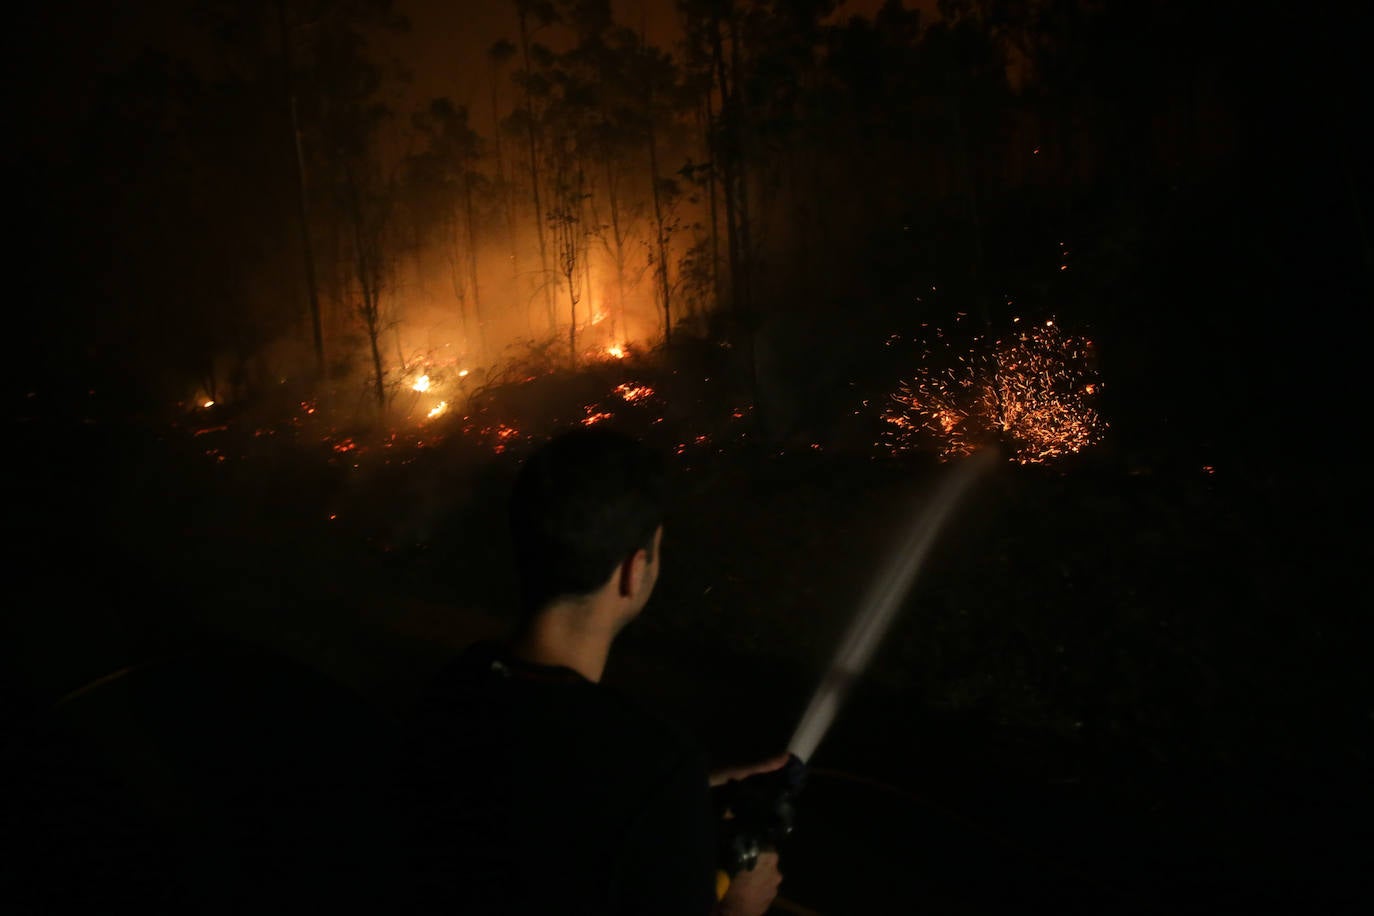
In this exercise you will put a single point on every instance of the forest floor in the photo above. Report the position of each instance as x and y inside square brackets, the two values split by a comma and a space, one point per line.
[1117, 686]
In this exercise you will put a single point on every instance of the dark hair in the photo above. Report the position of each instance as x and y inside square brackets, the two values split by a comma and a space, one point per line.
[581, 503]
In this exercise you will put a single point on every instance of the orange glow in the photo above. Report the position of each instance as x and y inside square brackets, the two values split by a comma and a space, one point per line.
[616, 350]
[208, 404]
[437, 410]
[421, 383]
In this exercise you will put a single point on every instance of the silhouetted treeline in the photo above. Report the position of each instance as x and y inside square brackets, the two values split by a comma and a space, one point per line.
[215, 195]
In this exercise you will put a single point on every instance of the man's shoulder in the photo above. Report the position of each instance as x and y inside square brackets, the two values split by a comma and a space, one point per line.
[486, 678]
[650, 724]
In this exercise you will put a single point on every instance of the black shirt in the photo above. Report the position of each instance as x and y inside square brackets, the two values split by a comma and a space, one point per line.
[535, 790]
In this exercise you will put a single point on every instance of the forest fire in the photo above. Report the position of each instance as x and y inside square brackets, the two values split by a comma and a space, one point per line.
[1033, 389]
[1030, 390]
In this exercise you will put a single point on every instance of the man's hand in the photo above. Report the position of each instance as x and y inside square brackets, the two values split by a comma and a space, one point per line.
[721, 777]
[752, 892]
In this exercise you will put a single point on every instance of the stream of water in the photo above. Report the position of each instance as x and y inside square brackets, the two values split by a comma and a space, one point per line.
[883, 600]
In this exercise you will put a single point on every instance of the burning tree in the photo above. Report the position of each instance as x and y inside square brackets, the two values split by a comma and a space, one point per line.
[1033, 390]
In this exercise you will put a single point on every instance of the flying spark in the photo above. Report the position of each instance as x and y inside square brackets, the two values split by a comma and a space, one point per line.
[1033, 390]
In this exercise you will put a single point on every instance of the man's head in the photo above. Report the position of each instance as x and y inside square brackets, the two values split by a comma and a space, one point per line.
[586, 515]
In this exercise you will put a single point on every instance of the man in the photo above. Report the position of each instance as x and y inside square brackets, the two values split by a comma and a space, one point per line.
[540, 789]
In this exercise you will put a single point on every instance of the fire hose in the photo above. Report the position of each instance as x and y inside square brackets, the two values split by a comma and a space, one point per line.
[756, 814]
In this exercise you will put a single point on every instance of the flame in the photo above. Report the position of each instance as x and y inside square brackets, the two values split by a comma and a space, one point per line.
[208, 404]
[616, 351]
[1031, 390]
[421, 383]
[462, 373]
[437, 409]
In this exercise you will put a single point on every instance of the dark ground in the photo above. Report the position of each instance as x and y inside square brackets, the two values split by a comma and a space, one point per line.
[1121, 686]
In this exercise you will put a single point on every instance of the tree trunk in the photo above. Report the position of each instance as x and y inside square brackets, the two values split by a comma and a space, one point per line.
[661, 241]
[317, 326]
[741, 177]
[725, 153]
[507, 205]
[534, 175]
[472, 263]
[709, 131]
[613, 197]
[366, 262]
[456, 277]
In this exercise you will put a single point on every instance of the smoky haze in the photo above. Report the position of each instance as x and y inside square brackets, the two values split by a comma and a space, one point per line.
[195, 207]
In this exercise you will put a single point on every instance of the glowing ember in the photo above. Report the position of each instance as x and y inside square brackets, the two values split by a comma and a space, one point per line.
[497, 436]
[421, 383]
[616, 351]
[1031, 390]
[632, 392]
[208, 404]
[437, 409]
[594, 418]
